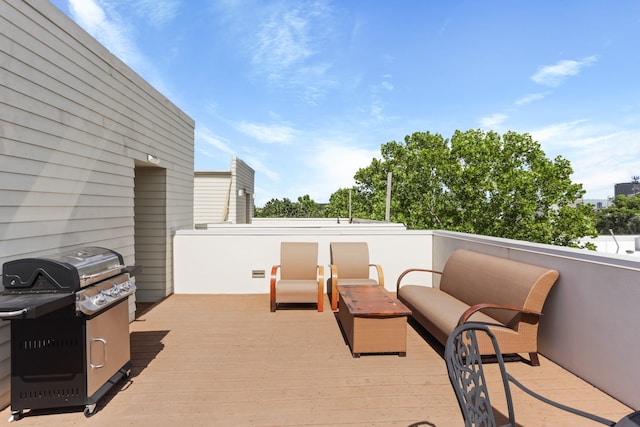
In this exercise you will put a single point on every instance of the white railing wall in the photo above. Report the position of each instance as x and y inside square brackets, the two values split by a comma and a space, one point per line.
[225, 260]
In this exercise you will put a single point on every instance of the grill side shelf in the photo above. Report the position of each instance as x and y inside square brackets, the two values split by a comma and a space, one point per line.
[32, 305]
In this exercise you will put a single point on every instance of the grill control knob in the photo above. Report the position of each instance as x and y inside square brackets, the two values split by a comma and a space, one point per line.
[100, 299]
[114, 291]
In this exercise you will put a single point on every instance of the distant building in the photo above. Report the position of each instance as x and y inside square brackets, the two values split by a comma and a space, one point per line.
[597, 203]
[224, 196]
[627, 188]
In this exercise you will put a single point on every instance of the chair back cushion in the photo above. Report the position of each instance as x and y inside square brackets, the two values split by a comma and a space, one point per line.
[351, 258]
[475, 278]
[298, 260]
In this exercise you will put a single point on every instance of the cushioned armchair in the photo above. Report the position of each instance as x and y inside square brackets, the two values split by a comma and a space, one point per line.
[301, 278]
[350, 266]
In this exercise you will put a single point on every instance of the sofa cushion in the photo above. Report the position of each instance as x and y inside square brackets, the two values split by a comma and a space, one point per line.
[437, 311]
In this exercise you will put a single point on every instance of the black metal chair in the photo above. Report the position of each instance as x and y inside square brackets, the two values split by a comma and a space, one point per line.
[464, 365]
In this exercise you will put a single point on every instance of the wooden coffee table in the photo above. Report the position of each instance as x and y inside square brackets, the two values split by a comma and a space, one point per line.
[373, 320]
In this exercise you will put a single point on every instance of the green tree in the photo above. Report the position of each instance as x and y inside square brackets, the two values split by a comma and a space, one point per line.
[345, 203]
[275, 208]
[305, 207]
[623, 216]
[478, 182]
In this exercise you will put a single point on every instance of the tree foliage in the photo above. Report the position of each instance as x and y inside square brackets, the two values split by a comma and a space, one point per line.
[623, 217]
[305, 207]
[346, 203]
[477, 182]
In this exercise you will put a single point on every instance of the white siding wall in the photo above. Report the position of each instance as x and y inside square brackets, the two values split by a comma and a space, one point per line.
[217, 198]
[244, 180]
[212, 192]
[76, 127]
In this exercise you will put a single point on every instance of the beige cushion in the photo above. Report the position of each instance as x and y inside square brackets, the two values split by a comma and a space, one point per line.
[298, 272]
[441, 310]
[298, 260]
[476, 278]
[297, 291]
[351, 258]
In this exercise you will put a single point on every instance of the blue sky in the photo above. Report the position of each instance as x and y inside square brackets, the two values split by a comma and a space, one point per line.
[306, 92]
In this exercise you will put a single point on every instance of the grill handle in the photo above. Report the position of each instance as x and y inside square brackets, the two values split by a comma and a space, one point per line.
[12, 314]
[102, 273]
[104, 353]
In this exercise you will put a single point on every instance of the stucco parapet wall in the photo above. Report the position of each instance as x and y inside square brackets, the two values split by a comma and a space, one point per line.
[563, 252]
[300, 231]
[311, 222]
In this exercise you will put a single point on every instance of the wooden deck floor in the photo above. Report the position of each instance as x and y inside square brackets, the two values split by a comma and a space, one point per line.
[225, 360]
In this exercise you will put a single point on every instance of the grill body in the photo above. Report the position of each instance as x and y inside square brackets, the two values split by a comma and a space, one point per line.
[69, 329]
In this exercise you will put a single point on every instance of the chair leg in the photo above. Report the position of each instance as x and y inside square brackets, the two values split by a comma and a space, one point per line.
[273, 306]
[534, 359]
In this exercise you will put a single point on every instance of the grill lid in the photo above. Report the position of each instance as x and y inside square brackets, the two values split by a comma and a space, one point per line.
[64, 272]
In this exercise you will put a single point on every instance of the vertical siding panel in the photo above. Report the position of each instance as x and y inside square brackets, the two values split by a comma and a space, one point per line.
[76, 128]
[211, 191]
[151, 233]
[244, 180]
[218, 196]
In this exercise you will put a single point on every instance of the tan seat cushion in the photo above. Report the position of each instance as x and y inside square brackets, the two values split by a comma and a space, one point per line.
[437, 311]
[297, 291]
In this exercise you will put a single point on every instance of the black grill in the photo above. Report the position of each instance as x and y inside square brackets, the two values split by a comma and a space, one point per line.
[47, 363]
[67, 312]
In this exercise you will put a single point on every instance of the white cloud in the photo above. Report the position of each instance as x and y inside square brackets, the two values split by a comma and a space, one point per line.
[335, 163]
[600, 155]
[100, 19]
[557, 134]
[554, 75]
[386, 85]
[493, 121]
[318, 169]
[530, 98]
[284, 42]
[270, 134]
[157, 12]
[107, 29]
[257, 165]
[214, 141]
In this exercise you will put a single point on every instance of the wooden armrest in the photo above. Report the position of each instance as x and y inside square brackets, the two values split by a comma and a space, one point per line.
[334, 271]
[320, 273]
[274, 271]
[379, 272]
[334, 286]
[272, 287]
[410, 270]
[478, 307]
